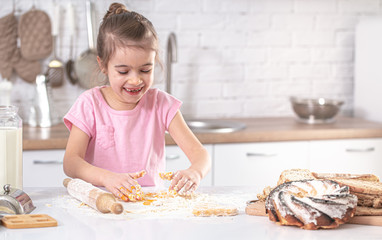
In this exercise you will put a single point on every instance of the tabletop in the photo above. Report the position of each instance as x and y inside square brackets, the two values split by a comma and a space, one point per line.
[74, 223]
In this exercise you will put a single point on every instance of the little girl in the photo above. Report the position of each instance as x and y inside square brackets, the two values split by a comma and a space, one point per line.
[118, 131]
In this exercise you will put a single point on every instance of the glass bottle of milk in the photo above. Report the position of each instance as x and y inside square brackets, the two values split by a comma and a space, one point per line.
[11, 147]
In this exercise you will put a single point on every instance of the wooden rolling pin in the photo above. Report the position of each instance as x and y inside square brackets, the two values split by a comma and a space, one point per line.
[94, 197]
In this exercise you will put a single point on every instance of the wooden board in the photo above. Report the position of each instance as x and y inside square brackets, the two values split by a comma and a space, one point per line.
[257, 208]
[367, 220]
[258, 130]
[28, 221]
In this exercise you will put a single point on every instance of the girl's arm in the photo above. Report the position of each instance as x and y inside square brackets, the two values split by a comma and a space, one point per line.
[189, 179]
[75, 166]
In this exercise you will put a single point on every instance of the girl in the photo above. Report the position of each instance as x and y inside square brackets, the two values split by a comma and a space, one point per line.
[117, 131]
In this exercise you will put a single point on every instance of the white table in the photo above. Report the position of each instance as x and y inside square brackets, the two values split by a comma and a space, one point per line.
[79, 226]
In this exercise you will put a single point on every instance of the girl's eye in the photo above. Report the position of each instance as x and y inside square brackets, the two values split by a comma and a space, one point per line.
[146, 71]
[122, 72]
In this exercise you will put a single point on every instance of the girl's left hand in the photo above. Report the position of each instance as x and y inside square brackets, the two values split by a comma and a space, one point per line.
[185, 181]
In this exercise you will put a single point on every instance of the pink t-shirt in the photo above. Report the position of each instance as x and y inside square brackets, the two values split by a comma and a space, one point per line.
[125, 141]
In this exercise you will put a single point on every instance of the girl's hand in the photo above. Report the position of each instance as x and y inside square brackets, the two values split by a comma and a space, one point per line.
[124, 185]
[185, 181]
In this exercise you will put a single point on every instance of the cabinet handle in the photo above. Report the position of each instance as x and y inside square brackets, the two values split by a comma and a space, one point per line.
[250, 154]
[172, 157]
[51, 162]
[370, 149]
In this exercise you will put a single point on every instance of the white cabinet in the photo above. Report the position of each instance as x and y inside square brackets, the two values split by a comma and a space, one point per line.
[261, 163]
[367, 69]
[177, 160]
[239, 164]
[256, 163]
[43, 168]
[347, 156]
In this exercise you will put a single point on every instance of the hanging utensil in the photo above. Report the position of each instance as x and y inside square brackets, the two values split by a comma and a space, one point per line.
[55, 70]
[5, 92]
[42, 113]
[86, 64]
[70, 63]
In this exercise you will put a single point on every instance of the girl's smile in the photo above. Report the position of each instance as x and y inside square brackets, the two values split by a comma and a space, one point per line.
[134, 91]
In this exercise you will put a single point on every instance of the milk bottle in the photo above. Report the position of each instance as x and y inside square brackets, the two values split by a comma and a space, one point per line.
[11, 169]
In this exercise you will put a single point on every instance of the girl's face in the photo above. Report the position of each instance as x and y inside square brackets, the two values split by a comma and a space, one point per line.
[131, 74]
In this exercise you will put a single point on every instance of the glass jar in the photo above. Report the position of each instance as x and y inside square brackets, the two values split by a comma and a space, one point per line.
[11, 147]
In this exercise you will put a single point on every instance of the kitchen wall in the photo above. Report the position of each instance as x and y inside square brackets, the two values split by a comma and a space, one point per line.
[236, 58]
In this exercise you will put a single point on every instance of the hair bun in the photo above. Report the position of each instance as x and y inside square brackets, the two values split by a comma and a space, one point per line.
[115, 8]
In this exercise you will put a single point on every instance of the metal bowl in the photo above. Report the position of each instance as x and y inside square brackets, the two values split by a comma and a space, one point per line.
[316, 110]
[214, 126]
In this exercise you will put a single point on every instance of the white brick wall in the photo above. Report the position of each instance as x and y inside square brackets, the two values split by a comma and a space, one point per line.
[237, 58]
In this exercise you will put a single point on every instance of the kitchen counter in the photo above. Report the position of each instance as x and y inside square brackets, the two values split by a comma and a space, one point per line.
[74, 224]
[257, 130]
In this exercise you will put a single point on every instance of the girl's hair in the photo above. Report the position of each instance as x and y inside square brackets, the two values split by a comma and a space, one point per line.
[123, 28]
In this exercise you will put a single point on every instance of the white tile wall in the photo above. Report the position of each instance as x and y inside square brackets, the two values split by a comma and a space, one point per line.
[237, 58]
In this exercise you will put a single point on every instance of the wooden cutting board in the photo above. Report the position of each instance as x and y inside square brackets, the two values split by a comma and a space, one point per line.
[257, 208]
[367, 220]
[28, 221]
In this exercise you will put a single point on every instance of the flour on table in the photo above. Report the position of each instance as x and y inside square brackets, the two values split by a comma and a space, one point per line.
[171, 207]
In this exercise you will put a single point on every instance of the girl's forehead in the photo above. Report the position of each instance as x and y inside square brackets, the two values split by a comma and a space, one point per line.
[133, 52]
[134, 49]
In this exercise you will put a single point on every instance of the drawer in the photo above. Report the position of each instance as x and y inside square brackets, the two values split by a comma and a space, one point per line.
[257, 164]
[177, 160]
[43, 168]
[347, 156]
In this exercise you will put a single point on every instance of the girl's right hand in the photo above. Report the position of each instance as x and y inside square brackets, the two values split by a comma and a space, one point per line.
[124, 185]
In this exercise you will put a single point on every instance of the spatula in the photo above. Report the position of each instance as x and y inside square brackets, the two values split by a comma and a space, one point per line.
[55, 70]
[70, 63]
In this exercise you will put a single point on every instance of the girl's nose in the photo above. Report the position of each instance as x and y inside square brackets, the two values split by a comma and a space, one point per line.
[135, 80]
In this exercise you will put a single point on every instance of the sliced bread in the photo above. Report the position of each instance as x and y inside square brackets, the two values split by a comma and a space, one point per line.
[365, 177]
[369, 200]
[295, 175]
[368, 211]
[361, 186]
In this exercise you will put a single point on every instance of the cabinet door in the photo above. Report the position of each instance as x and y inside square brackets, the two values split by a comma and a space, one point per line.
[177, 160]
[347, 156]
[43, 168]
[258, 164]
